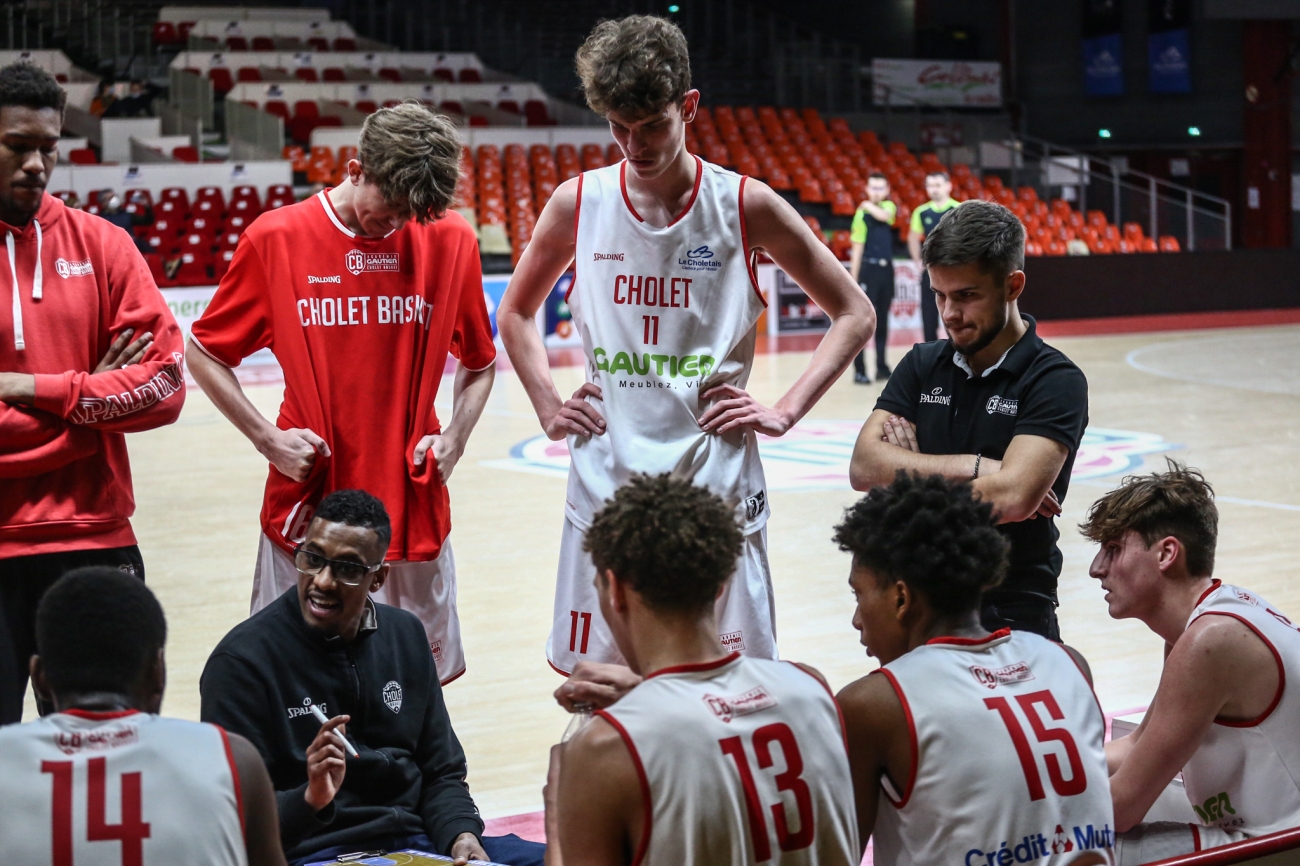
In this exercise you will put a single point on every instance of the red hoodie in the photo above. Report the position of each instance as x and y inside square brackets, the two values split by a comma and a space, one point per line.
[69, 283]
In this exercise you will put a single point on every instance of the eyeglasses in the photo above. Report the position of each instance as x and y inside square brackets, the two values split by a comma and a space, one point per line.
[346, 573]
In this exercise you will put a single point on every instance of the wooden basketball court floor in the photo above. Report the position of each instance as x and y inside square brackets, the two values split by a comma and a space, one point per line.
[1226, 400]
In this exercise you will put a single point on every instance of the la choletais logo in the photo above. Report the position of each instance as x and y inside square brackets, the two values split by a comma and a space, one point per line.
[700, 259]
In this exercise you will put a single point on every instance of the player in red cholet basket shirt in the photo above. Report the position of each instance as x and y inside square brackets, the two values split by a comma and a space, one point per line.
[361, 308]
[88, 352]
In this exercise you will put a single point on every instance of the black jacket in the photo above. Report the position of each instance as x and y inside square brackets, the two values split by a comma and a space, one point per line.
[410, 776]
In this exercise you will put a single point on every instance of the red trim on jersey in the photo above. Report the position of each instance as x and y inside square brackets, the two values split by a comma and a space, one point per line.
[696, 668]
[1281, 671]
[844, 728]
[1196, 837]
[1215, 583]
[646, 803]
[695, 191]
[699, 174]
[744, 241]
[234, 777]
[99, 715]
[452, 678]
[1105, 726]
[577, 209]
[911, 728]
[622, 185]
[969, 641]
[1238, 852]
[557, 670]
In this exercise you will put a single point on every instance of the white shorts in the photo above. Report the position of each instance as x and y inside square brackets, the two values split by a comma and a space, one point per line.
[1159, 840]
[426, 589]
[746, 610]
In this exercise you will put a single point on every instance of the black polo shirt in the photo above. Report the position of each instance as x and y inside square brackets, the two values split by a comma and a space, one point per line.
[1034, 390]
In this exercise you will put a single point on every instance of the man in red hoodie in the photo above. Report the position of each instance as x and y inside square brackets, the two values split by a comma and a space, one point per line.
[88, 352]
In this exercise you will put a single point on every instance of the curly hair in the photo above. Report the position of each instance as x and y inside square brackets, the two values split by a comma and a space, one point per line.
[930, 533]
[635, 65]
[1177, 502]
[357, 508]
[413, 156]
[30, 86]
[98, 629]
[983, 232]
[675, 543]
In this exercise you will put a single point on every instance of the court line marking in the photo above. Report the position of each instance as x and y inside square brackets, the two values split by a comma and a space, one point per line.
[1234, 500]
[1132, 360]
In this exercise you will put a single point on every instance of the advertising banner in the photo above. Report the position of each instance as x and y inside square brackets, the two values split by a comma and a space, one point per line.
[1169, 52]
[936, 82]
[1103, 48]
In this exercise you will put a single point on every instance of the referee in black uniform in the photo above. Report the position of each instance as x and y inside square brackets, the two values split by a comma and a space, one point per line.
[992, 403]
[871, 264]
[938, 186]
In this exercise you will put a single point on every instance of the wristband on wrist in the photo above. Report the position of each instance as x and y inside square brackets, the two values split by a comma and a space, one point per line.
[976, 473]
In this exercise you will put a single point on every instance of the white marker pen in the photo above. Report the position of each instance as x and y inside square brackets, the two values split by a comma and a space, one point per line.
[316, 711]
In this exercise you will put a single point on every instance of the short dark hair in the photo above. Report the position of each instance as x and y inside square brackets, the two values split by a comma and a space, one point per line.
[357, 508]
[98, 629]
[932, 534]
[876, 175]
[982, 232]
[635, 65]
[675, 543]
[413, 156]
[942, 174]
[1177, 502]
[30, 86]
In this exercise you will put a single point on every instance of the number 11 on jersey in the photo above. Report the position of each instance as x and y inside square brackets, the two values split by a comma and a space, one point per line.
[651, 337]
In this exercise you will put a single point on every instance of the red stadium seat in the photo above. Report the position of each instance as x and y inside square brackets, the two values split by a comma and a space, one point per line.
[366, 105]
[183, 29]
[212, 195]
[176, 195]
[247, 197]
[509, 105]
[306, 73]
[236, 43]
[280, 189]
[263, 43]
[390, 74]
[318, 43]
[1169, 244]
[248, 73]
[82, 156]
[452, 107]
[222, 83]
[277, 107]
[186, 153]
[478, 120]
[333, 73]
[470, 75]
[306, 108]
[344, 43]
[164, 33]
[444, 74]
[238, 221]
[536, 113]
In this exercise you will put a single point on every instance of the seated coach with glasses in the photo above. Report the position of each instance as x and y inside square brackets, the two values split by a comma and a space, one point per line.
[340, 695]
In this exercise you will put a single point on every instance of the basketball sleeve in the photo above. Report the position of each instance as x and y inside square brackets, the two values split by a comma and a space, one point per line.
[33, 442]
[902, 392]
[471, 337]
[858, 231]
[1055, 405]
[237, 322]
[916, 227]
[139, 397]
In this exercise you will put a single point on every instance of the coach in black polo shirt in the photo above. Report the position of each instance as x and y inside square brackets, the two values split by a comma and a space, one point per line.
[992, 403]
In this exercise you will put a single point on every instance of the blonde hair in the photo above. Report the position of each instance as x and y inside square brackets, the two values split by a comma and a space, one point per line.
[635, 65]
[413, 156]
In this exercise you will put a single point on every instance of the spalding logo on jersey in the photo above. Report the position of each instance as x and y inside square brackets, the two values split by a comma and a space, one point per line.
[393, 696]
[1016, 673]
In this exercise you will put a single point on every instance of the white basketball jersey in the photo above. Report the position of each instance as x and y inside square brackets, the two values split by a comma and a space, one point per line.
[742, 761]
[118, 789]
[1246, 775]
[664, 314]
[1008, 760]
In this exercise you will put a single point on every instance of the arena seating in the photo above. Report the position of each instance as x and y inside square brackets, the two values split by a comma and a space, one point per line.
[199, 227]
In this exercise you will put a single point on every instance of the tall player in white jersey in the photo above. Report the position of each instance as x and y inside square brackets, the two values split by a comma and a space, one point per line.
[712, 757]
[1227, 712]
[666, 301]
[105, 780]
[986, 747]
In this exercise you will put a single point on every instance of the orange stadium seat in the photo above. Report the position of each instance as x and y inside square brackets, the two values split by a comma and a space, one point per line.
[1169, 244]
